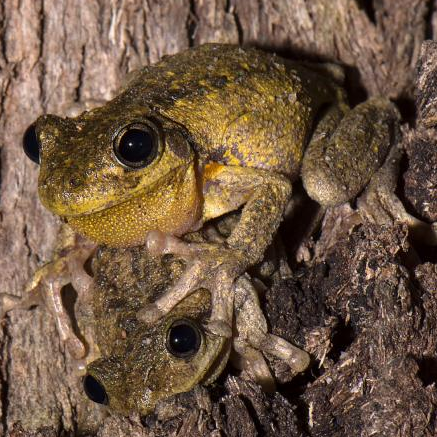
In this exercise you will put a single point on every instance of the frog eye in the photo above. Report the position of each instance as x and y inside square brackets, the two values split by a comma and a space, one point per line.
[136, 145]
[183, 339]
[31, 144]
[94, 390]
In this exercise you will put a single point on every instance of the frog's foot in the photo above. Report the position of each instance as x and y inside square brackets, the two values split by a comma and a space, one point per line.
[252, 341]
[380, 205]
[199, 275]
[209, 266]
[252, 330]
[253, 365]
[46, 286]
[9, 302]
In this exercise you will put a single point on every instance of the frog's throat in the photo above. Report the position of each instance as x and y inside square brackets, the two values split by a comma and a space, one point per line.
[173, 206]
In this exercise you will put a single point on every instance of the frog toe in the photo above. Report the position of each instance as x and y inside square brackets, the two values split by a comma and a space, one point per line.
[75, 347]
[149, 314]
[296, 358]
[8, 302]
[159, 243]
[253, 365]
[221, 328]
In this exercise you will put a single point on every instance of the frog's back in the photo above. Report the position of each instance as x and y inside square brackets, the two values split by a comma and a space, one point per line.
[241, 106]
[125, 280]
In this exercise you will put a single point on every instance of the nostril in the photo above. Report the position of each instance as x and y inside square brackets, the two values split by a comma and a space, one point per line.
[75, 182]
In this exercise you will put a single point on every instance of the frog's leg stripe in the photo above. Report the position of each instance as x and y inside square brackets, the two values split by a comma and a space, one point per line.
[339, 162]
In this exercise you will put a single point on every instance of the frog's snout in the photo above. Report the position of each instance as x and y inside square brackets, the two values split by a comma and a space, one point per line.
[49, 126]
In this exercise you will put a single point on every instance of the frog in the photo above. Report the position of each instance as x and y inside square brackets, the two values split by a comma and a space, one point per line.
[210, 130]
[129, 366]
[140, 365]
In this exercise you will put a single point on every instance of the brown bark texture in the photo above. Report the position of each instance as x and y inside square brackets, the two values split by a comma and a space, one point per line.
[367, 313]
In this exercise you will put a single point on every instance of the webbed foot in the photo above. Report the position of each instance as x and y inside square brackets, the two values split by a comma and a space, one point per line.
[251, 327]
[252, 340]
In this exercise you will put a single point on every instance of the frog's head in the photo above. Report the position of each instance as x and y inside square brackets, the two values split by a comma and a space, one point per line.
[116, 172]
[158, 362]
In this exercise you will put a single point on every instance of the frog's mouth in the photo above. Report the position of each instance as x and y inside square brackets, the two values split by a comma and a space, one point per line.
[172, 206]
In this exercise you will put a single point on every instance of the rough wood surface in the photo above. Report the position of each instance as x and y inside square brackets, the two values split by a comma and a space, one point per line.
[54, 53]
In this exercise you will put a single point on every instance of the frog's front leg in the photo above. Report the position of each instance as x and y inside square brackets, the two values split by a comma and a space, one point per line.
[48, 281]
[215, 266]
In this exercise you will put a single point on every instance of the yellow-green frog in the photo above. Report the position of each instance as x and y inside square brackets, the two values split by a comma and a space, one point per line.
[199, 134]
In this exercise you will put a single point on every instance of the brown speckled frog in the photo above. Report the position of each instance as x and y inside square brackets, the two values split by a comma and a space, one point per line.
[139, 365]
[199, 134]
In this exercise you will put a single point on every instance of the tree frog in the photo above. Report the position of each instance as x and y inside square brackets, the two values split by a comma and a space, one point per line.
[207, 131]
[214, 129]
[140, 365]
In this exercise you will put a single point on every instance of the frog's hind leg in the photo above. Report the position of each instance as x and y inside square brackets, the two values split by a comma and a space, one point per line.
[346, 154]
[380, 204]
[341, 158]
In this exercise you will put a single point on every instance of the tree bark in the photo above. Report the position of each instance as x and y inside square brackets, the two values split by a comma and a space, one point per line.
[55, 53]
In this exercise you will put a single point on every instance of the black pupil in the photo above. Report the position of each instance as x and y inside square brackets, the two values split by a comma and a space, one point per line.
[183, 339]
[94, 390]
[135, 145]
[31, 144]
